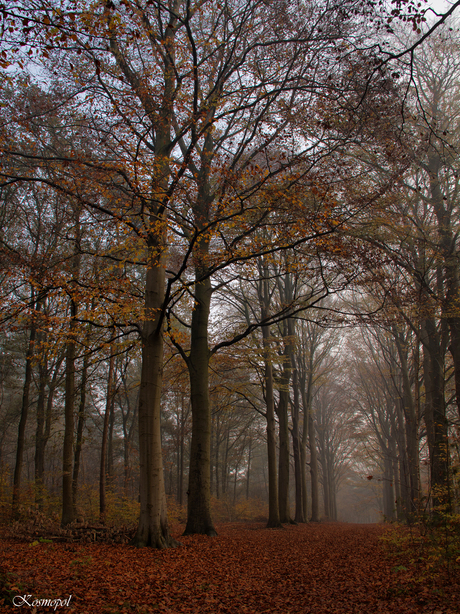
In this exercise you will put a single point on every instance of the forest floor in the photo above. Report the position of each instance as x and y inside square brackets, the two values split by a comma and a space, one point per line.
[327, 568]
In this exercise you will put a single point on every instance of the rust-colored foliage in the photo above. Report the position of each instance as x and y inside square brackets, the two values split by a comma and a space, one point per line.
[306, 569]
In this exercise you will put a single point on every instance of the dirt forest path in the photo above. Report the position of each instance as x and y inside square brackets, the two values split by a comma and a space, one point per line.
[247, 569]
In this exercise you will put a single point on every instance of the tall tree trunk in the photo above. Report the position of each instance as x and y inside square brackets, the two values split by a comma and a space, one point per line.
[153, 521]
[40, 441]
[284, 459]
[217, 459]
[199, 500]
[23, 420]
[153, 524]
[411, 427]
[326, 490]
[128, 435]
[105, 432]
[181, 453]
[68, 513]
[309, 436]
[448, 241]
[435, 414]
[225, 467]
[314, 473]
[110, 450]
[248, 474]
[299, 516]
[68, 510]
[79, 434]
[388, 489]
[264, 303]
[404, 479]
[303, 442]
[235, 482]
[273, 506]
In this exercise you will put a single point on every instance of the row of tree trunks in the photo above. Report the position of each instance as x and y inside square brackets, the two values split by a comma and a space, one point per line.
[411, 426]
[44, 420]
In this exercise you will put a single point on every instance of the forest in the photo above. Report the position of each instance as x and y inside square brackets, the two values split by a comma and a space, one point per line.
[230, 272]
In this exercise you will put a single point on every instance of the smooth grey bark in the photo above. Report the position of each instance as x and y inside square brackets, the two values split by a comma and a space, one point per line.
[199, 501]
[153, 527]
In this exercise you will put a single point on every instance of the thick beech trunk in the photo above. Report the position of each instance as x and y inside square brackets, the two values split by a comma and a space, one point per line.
[448, 241]
[153, 525]
[435, 414]
[439, 452]
[199, 499]
[153, 522]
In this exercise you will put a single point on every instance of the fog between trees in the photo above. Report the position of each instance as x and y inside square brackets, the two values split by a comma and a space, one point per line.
[230, 278]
